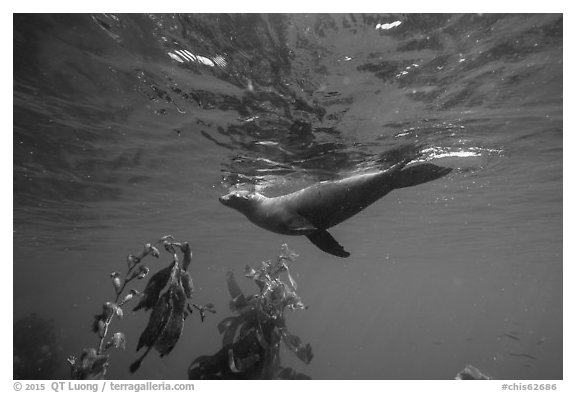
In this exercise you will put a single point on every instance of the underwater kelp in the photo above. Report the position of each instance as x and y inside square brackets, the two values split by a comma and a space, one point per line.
[471, 373]
[37, 348]
[251, 340]
[169, 309]
[167, 293]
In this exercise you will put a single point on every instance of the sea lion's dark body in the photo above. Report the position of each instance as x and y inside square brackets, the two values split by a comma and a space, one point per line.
[314, 209]
[329, 203]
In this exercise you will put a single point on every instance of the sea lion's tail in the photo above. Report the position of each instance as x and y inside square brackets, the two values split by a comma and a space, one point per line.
[401, 154]
[418, 174]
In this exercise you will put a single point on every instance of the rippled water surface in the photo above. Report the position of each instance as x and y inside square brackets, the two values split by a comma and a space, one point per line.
[129, 127]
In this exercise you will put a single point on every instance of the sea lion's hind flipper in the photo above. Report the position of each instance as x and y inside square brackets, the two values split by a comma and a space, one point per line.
[404, 153]
[418, 174]
[324, 241]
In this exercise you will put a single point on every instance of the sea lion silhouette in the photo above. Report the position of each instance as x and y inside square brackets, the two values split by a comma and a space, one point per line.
[312, 210]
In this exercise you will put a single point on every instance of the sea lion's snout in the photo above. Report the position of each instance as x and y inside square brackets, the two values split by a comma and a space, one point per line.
[237, 199]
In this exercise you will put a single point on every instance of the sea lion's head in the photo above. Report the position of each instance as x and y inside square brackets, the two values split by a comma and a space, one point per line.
[239, 200]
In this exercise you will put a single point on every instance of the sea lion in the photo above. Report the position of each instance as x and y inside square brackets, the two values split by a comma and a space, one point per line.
[312, 210]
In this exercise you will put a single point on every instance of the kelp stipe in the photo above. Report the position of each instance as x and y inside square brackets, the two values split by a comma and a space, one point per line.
[168, 310]
[251, 341]
[93, 362]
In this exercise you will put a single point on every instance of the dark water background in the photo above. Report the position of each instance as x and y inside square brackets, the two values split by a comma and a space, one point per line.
[128, 127]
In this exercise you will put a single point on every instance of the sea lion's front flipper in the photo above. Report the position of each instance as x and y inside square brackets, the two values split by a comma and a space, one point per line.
[324, 241]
